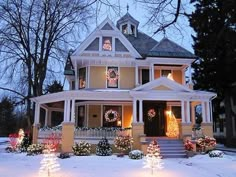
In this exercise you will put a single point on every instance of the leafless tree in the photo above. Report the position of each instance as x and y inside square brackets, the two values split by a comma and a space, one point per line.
[164, 14]
[33, 34]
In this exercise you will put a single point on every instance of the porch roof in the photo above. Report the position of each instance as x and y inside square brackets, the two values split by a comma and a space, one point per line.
[124, 95]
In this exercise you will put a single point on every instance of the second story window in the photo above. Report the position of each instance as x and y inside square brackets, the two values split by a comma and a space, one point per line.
[107, 43]
[82, 78]
[112, 77]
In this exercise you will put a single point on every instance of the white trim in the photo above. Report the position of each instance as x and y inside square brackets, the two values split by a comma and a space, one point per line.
[134, 111]
[101, 117]
[72, 119]
[88, 77]
[141, 111]
[183, 112]
[76, 76]
[203, 112]
[136, 76]
[188, 112]
[163, 81]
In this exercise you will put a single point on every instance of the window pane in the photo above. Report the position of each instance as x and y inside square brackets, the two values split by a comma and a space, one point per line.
[145, 76]
[82, 78]
[176, 110]
[165, 73]
[107, 43]
[125, 29]
[112, 116]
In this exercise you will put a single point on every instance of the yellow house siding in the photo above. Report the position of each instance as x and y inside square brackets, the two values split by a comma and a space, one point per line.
[162, 87]
[177, 76]
[94, 116]
[97, 77]
[127, 77]
[127, 113]
[156, 74]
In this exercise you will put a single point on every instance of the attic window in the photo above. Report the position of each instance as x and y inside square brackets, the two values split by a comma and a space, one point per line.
[165, 73]
[125, 29]
[107, 44]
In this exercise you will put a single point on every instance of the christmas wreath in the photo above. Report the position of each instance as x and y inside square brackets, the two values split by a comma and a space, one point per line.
[112, 74]
[151, 113]
[111, 115]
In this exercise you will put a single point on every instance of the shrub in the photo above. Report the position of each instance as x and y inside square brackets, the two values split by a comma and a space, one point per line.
[188, 145]
[64, 155]
[123, 143]
[81, 149]
[216, 153]
[136, 154]
[103, 148]
[35, 149]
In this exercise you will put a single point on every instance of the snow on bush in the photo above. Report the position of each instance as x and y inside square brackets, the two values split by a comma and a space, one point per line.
[103, 148]
[216, 153]
[136, 154]
[82, 148]
[35, 149]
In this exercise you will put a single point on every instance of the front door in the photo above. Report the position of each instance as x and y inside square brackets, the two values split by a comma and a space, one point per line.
[154, 118]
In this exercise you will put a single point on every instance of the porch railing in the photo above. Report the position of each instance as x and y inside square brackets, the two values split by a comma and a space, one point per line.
[101, 132]
[84, 132]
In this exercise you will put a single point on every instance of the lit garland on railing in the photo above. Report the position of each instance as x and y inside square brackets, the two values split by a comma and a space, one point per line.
[111, 129]
[56, 128]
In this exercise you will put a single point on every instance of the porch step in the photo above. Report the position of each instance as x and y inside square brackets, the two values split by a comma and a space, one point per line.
[169, 147]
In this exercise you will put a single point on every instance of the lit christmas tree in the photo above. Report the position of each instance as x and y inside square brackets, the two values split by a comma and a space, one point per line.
[172, 127]
[49, 163]
[153, 158]
[103, 148]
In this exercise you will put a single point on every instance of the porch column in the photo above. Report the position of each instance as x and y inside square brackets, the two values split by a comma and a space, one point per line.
[190, 74]
[203, 112]
[141, 111]
[182, 112]
[72, 119]
[36, 125]
[134, 111]
[37, 114]
[67, 111]
[211, 118]
[208, 116]
[136, 76]
[150, 72]
[49, 117]
[188, 112]
[76, 76]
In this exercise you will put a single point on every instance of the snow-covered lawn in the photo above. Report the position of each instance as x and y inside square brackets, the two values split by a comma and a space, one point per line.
[20, 165]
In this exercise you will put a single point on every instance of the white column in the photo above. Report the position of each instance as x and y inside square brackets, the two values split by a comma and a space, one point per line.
[208, 116]
[141, 111]
[134, 111]
[182, 112]
[203, 112]
[76, 76]
[46, 118]
[136, 76]
[72, 119]
[152, 72]
[67, 111]
[37, 113]
[190, 74]
[188, 112]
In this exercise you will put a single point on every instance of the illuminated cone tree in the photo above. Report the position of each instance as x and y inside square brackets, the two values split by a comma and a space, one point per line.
[49, 163]
[172, 127]
[153, 158]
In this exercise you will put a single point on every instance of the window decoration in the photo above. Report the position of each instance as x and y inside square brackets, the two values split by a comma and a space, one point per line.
[107, 44]
[111, 115]
[151, 114]
[112, 77]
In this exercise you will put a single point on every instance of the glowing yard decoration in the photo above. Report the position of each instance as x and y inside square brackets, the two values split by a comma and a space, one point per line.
[49, 163]
[172, 126]
[153, 158]
[21, 135]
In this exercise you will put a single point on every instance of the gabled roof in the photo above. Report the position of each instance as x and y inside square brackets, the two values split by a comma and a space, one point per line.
[107, 23]
[127, 17]
[163, 82]
[168, 48]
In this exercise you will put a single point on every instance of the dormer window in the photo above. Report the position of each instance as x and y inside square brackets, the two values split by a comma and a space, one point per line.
[107, 44]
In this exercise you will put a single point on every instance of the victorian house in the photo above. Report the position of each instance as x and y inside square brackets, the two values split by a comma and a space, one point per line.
[122, 80]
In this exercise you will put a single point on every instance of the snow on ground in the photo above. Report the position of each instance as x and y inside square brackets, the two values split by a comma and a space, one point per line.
[20, 165]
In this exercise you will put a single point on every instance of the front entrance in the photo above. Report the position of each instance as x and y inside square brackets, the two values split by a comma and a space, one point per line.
[154, 118]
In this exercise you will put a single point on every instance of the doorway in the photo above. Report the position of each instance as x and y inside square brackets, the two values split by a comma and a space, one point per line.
[154, 118]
